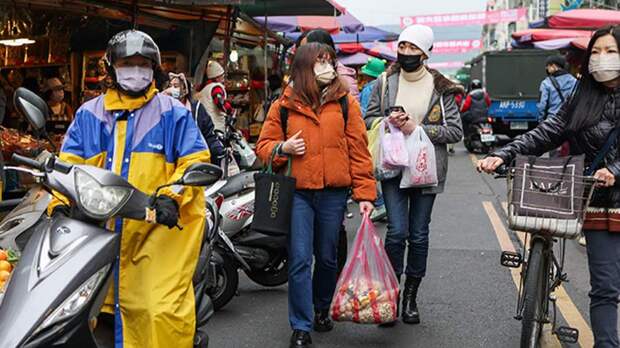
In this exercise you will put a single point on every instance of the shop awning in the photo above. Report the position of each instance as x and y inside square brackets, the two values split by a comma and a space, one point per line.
[289, 24]
[551, 45]
[534, 35]
[291, 8]
[369, 34]
[581, 43]
[359, 58]
[584, 19]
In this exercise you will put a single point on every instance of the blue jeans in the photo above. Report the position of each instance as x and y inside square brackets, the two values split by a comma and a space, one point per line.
[315, 226]
[379, 202]
[604, 263]
[409, 215]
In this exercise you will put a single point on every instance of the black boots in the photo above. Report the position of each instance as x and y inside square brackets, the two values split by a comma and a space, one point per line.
[322, 321]
[301, 339]
[409, 306]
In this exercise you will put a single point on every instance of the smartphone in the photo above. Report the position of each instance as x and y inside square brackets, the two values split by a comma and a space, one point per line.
[397, 108]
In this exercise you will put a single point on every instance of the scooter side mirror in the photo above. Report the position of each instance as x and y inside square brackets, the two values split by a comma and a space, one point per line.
[201, 174]
[32, 107]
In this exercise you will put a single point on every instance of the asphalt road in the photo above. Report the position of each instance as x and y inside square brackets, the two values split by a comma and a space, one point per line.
[467, 299]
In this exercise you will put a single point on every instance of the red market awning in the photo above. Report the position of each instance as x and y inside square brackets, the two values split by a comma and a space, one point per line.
[534, 35]
[584, 19]
[581, 43]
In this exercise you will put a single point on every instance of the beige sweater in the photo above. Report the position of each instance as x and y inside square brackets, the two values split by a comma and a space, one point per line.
[415, 90]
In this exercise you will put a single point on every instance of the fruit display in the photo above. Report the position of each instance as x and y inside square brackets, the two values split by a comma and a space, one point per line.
[365, 303]
[8, 261]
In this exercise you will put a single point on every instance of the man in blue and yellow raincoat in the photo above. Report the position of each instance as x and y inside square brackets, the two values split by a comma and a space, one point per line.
[149, 139]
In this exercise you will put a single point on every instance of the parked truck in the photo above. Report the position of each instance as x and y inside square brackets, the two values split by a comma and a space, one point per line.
[512, 79]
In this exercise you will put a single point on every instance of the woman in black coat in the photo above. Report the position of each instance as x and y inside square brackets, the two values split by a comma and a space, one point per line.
[587, 121]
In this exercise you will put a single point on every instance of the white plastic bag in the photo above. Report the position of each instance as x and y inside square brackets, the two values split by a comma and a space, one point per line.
[393, 148]
[422, 168]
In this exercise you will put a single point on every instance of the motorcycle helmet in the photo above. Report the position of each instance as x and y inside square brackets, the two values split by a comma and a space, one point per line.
[475, 84]
[131, 43]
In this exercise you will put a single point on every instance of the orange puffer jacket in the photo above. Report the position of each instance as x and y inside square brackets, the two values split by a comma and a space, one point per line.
[336, 155]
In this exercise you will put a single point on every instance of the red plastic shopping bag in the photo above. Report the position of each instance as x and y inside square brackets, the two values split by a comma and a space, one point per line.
[367, 291]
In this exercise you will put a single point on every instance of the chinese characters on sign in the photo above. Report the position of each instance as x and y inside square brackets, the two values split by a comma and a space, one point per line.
[470, 18]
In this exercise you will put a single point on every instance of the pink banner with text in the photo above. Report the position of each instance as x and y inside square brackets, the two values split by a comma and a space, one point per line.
[446, 65]
[468, 18]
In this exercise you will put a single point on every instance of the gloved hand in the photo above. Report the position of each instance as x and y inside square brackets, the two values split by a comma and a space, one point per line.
[166, 210]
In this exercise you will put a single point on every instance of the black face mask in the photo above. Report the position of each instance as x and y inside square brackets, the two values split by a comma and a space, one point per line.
[410, 63]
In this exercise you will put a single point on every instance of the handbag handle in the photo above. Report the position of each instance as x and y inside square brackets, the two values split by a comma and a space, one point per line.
[554, 187]
[274, 152]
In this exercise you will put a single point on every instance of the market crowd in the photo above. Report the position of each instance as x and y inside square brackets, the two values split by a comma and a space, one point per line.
[328, 137]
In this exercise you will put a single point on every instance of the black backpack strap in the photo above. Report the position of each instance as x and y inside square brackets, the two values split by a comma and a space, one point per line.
[556, 85]
[284, 120]
[344, 107]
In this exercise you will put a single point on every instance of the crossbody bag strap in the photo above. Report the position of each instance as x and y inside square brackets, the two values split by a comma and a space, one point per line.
[600, 156]
[556, 85]
[383, 89]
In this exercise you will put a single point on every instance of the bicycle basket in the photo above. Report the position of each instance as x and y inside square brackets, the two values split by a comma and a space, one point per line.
[548, 195]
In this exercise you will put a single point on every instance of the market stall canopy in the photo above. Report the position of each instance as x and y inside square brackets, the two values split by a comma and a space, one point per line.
[290, 24]
[534, 35]
[581, 43]
[291, 7]
[369, 34]
[584, 19]
[358, 58]
[378, 49]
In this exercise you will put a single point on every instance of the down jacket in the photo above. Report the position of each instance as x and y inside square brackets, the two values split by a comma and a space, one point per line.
[588, 141]
[336, 154]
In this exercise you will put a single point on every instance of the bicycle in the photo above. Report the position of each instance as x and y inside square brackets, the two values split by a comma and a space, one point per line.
[542, 271]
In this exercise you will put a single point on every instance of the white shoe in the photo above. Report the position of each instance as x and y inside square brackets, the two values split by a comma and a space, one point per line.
[378, 214]
[582, 241]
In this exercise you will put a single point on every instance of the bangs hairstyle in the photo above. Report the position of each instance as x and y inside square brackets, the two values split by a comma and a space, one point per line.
[586, 107]
[302, 74]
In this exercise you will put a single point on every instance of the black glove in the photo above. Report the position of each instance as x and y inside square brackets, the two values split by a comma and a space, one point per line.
[167, 211]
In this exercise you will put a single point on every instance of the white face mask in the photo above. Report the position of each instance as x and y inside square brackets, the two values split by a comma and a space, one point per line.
[175, 92]
[605, 67]
[134, 78]
[324, 73]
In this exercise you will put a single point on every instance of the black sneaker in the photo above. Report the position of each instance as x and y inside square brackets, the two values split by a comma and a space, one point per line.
[301, 339]
[322, 321]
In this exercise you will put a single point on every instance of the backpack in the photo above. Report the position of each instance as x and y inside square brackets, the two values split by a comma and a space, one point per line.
[344, 107]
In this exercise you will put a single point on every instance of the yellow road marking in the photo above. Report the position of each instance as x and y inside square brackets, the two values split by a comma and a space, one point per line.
[567, 307]
[548, 339]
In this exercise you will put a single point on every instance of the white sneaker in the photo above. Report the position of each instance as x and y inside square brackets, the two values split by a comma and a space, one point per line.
[378, 214]
[582, 241]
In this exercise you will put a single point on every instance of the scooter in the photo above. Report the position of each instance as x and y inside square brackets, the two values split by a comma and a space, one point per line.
[479, 138]
[55, 292]
[262, 257]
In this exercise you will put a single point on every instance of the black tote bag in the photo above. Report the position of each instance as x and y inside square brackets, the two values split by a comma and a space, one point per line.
[274, 200]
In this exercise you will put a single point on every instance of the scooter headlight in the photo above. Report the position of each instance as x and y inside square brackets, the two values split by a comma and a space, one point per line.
[97, 200]
[76, 301]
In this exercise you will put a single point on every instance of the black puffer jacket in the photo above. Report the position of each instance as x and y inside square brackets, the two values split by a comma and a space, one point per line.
[552, 133]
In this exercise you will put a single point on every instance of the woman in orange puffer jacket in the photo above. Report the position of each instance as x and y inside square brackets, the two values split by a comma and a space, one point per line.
[329, 156]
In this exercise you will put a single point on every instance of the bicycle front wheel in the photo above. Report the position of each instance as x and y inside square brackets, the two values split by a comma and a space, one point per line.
[533, 293]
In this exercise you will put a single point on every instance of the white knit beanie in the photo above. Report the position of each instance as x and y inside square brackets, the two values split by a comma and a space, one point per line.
[420, 35]
[214, 69]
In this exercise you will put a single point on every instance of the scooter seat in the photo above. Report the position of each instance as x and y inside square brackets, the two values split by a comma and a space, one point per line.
[238, 183]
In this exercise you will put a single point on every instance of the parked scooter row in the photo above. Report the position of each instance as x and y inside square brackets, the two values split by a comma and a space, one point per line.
[262, 257]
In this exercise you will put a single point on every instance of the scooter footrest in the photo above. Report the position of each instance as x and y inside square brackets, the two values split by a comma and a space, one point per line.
[567, 334]
[511, 259]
